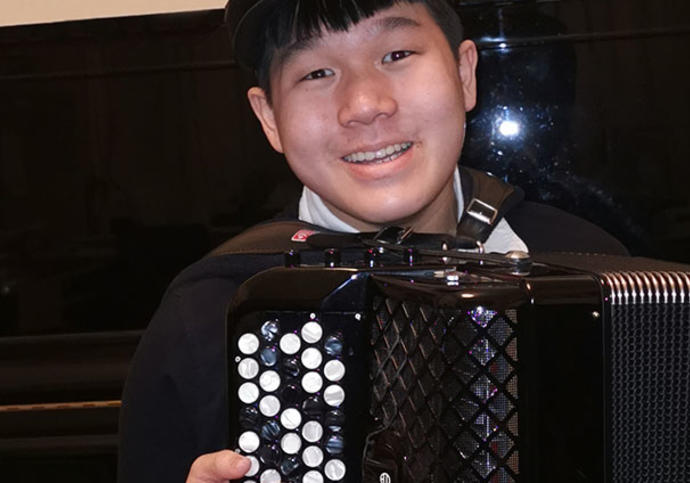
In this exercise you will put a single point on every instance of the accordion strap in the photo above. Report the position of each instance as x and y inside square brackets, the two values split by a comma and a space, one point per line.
[486, 199]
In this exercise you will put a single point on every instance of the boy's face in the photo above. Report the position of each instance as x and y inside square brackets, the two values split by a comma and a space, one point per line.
[372, 119]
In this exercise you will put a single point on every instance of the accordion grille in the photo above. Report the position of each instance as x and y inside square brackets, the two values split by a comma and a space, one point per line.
[650, 383]
[445, 382]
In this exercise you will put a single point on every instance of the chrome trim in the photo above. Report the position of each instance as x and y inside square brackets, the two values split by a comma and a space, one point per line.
[612, 282]
[685, 292]
[644, 287]
[672, 285]
[647, 288]
[478, 215]
[631, 282]
[640, 284]
[664, 286]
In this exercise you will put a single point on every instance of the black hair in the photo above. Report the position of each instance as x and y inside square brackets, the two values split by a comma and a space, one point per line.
[299, 20]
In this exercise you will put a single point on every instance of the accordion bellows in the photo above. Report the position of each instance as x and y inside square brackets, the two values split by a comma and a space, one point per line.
[576, 368]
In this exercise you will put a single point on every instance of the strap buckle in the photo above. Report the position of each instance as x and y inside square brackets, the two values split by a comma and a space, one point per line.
[481, 211]
[393, 234]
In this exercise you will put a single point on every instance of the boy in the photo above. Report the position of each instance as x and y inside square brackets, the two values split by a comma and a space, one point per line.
[367, 100]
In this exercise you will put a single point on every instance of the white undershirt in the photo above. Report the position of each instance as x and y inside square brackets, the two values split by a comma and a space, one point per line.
[313, 210]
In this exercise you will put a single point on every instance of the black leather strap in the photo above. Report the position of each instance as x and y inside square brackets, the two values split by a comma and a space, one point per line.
[487, 199]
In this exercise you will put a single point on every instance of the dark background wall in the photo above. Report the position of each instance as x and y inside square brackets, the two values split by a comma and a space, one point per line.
[127, 149]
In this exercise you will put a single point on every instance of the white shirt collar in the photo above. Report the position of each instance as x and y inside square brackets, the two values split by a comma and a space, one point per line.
[313, 210]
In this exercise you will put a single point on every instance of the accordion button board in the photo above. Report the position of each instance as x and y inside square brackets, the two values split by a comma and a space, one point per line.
[291, 401]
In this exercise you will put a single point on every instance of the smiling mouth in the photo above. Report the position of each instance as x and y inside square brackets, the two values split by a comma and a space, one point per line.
[383, 155]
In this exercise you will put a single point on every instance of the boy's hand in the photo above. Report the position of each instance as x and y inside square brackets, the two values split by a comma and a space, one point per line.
[218, 467]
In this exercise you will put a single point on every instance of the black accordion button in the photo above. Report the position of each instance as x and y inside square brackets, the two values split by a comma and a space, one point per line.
[291, 367]
[290, 466]
[333, 345]
[270, 330]
[249, 418]
[270, 431]
[313, 407]
[292, 395]
[269, 455]
[335, 444]
[334, 420]
[269, 356]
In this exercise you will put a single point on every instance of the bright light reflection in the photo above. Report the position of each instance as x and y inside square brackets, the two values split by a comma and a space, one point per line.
[509, 128]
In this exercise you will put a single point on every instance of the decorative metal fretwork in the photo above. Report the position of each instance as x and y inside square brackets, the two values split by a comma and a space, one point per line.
[445, 381]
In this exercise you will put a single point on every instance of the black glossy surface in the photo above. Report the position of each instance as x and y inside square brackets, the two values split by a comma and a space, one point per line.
[562, 392]
[583, 104]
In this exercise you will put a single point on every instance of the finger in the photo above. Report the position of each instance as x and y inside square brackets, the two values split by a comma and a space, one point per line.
[218, 467]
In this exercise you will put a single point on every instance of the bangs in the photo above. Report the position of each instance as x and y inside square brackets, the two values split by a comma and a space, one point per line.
[301, 20]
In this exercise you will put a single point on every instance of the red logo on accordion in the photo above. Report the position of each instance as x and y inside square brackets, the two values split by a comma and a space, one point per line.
[302, 235]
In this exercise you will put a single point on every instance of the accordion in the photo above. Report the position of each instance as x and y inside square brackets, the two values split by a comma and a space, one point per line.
[562, 367]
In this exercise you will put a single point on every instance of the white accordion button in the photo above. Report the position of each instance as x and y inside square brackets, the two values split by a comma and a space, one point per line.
[334, 395]
[291, 418]
[248, 392]
[248, 344]
[269, 406]
[269, 381]
[291, 443]
[253, 467]
[249, 441]
[312, 431]
[312, 382]
[248, 368]
[334, 370]
[312, 476]
[312, 456]
[335, 470]
[311, 358]
[312, 332]
[290, 344]
[270, 476]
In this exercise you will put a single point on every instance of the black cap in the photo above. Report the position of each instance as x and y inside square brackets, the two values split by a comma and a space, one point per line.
[245, 20]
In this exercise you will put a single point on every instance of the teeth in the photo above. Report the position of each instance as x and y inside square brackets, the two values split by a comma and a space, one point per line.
[384, 154]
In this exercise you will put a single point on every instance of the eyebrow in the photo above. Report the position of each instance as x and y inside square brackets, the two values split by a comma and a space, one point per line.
[385, 24]
[394, 23]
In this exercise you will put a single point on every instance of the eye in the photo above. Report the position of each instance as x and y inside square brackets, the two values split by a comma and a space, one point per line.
[318, 74]
[396, 55]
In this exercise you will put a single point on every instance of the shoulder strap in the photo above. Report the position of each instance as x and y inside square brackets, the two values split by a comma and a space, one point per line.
[486, 199]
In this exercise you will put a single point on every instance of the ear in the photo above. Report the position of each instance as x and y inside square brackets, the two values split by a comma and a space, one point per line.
[467, 66]
[264, 112]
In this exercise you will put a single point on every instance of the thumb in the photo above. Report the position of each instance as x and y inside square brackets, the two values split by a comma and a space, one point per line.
[218, 467]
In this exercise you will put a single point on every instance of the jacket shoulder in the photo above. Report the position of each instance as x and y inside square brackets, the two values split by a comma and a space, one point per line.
[545, 228]
[271, 237]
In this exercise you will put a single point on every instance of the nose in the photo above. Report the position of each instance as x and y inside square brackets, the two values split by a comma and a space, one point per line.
[364, 98]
